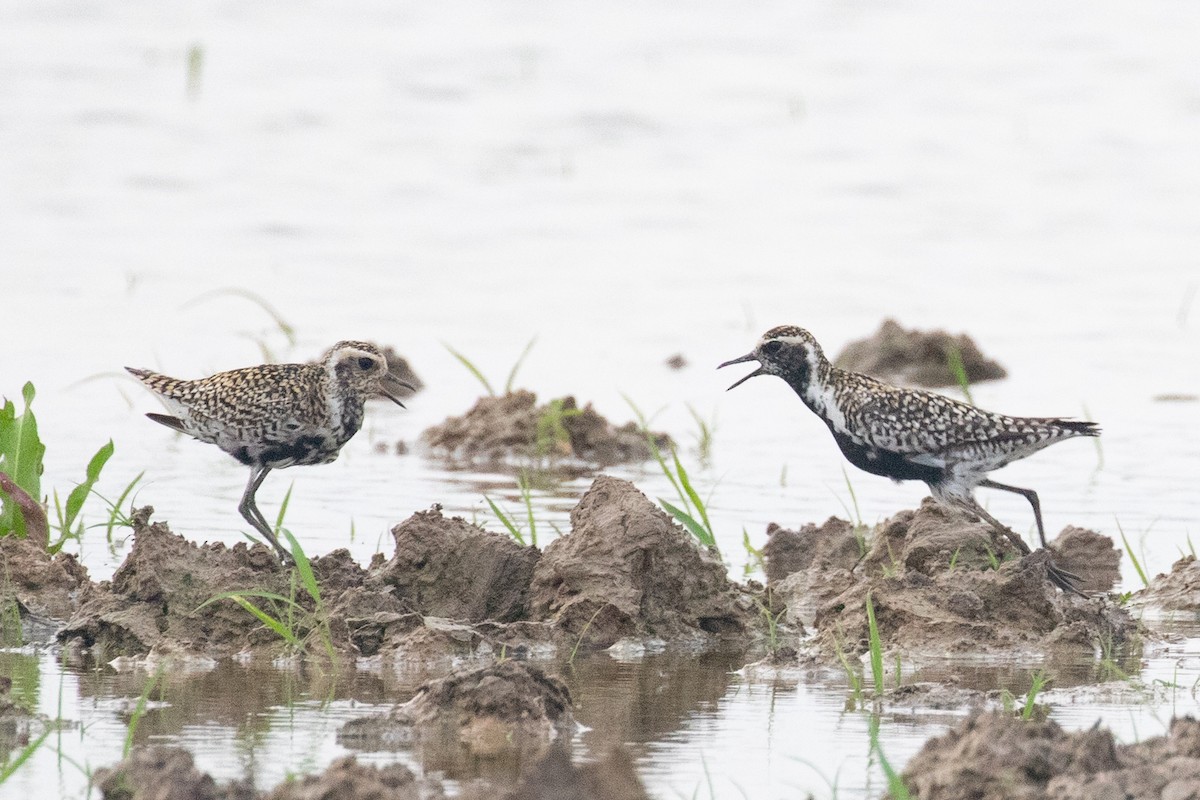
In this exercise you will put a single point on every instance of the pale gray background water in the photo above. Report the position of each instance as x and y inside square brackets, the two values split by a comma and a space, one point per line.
[625, 181]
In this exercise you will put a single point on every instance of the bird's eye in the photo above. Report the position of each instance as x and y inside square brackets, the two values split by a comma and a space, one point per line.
[771, 348]
[365, 363]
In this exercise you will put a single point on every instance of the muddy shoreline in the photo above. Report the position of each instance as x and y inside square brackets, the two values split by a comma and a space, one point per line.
[491, 622]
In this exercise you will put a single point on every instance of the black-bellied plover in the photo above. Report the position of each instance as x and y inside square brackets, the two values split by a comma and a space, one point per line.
[909, 434]
[276, 415]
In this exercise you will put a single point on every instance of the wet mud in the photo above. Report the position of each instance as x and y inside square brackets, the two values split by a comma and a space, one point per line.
[42, 589]
[170, 773]
[487, 622]
[917, 358]
[1177, 590]
[997, 755]
[492, 721]
[989, 602]
[627, 570]
[451, 592]
[513, 425]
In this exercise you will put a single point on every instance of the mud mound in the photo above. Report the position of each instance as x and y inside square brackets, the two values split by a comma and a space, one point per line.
[513, 425]
[164, 773]
[626, 569]
[1177, 590]
[997, 755]
[916, 358]
[346, 779]
[1089, 555]
[399, 367]
[44, 588]
[924, 607]
[554, 777]
[509, 711]
[450, 568]
[833, 545]
[154, 595]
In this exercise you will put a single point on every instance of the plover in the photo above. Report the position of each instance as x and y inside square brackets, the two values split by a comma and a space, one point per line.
[909, 434]
[276, 415]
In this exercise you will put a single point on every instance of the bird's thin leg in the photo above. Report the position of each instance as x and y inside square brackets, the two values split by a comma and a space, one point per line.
[250, 512]
[971, 506]
[1067, 581]
[1028, 494]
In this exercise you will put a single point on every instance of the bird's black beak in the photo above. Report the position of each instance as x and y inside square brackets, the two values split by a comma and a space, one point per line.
[390, 394]
[748, 357]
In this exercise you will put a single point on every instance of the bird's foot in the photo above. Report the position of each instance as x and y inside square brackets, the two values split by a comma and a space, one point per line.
[1064, 579]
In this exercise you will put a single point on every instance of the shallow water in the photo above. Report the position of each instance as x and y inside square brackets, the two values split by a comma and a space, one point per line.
[625, 184]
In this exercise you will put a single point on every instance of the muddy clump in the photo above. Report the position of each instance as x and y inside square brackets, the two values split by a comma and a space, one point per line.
[400, 369]
[160, 601]
[451, 568]
[45, 589]
[169, 773]
[943, 584]
[346, 779]
[154, 596]
[513, 425]
[164, 773]
[998, 755]
[917, 358]
[836, 544]
[507, 714]
[1177, 590]
[1090, 555]
[628, 570]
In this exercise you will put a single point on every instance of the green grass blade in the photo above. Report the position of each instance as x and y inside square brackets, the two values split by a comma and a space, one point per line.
[284, 327]
[512, 374]
[1040, 679]
[690, 523]
[474, 370]
[876, 647]
[283, 507]
[21, 454]
[954, 361]
[644, 425]
[115, 517]
[504, 519]
[80, 493]
[275, 625]
[527, 496]
[308, 578]
[1137, 565]
[853, 499]
[693, 496]
[12, 766]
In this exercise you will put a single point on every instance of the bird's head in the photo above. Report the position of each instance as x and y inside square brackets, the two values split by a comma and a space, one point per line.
[787, 351]
[362, 367]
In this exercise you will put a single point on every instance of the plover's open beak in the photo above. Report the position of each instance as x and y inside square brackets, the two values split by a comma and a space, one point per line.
[390, 395]
[742, 360]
